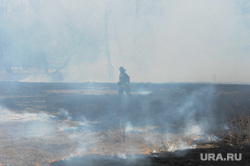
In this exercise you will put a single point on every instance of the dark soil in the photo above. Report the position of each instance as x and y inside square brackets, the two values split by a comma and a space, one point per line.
[178, 158]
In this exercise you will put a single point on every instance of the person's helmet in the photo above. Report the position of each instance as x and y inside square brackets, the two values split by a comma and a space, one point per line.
[122, 69]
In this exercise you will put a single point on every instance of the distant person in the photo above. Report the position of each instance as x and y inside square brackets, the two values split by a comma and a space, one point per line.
[124, 82]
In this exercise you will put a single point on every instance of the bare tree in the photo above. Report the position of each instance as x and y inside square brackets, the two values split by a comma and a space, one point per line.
[57, 58]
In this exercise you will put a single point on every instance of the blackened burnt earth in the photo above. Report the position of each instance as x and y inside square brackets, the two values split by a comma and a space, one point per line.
[192, 157]
[178, 158]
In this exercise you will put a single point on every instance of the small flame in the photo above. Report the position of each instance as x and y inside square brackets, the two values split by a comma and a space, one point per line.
[167, 143]
[192, 140]
[54, 161]
[146, 150]
[76, 154]
[179, 145]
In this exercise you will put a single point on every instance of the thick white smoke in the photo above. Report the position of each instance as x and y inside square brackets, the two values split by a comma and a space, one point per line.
[156, 41]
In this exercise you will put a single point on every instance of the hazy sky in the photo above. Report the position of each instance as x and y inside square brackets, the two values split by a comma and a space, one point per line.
[155, 40]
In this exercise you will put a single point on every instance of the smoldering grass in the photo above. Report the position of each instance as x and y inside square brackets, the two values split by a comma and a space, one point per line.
[119, 130]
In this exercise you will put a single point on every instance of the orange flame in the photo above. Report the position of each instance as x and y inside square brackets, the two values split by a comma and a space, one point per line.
[78, 153]
[167, 143]
[156, 149]
[146, 150]
[54, 161]
[192, 139]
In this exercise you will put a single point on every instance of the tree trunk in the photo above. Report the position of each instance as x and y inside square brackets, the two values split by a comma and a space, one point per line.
[110, 66]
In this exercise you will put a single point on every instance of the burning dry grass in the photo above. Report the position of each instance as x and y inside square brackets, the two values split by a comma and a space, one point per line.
[65, 144]
[71, 139]
[68, 138]
[170, 143]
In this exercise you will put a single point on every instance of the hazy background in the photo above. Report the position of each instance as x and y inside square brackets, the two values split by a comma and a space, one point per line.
[155, 40]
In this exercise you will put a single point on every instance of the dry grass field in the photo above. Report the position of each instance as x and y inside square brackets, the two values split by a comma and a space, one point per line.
[89, 124]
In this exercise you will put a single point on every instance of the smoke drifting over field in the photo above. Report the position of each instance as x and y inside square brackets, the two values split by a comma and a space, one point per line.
[63, 121]
[157, 41]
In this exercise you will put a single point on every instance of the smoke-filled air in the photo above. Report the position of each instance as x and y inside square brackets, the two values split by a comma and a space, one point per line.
[124, 82]
[157, 41]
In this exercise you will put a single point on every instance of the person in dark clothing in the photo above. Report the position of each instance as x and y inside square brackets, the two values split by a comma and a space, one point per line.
[124, 82]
